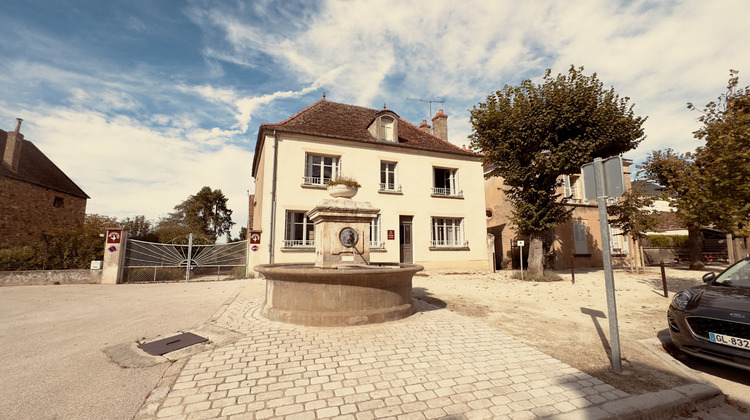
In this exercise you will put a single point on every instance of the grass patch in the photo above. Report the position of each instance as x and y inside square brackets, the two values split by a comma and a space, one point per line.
[548, 276]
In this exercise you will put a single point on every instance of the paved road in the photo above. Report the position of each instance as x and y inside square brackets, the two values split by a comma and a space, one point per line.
[53, 365]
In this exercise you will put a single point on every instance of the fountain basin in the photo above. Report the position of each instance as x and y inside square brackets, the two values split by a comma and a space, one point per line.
[347, 295]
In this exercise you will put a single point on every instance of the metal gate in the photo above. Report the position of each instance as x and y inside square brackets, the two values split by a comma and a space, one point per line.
[183, 259]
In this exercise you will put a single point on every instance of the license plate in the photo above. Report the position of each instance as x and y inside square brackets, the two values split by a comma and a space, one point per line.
[728, 340]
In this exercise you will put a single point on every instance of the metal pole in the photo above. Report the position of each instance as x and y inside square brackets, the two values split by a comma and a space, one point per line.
[520, 248]
[663, 279]
[573, 269]
[189, 257]
[609, 279]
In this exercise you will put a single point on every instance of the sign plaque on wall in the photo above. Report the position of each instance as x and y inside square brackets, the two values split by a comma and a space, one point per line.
[391, 234]
[113, 236]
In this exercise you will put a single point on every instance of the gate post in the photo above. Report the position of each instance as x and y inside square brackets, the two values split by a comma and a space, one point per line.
[114, 255]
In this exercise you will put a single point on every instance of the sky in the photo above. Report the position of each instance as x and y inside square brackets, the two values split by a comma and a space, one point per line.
[144, 102]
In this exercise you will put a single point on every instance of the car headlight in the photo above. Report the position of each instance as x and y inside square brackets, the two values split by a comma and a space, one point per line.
[681, 299]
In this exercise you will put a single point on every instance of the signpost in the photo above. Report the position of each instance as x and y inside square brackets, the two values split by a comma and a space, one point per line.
[520, 247]
[602, 179]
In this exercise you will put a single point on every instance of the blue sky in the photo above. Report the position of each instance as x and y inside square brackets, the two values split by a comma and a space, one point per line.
[142, 103]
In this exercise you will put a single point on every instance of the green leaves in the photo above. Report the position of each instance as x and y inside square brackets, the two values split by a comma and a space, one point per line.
[534, 133]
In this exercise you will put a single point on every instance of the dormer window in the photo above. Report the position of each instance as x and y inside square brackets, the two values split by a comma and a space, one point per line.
[385, 126]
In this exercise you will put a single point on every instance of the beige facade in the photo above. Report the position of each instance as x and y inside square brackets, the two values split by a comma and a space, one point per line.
[438, 224]
[577, 242]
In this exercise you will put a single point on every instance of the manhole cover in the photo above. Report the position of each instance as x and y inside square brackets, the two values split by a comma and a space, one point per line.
[165, 345]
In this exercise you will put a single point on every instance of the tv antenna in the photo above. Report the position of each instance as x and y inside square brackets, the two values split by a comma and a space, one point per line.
[430, 101]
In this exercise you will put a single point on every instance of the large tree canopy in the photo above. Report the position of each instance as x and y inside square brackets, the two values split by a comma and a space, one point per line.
[532, 134]
[205, 212]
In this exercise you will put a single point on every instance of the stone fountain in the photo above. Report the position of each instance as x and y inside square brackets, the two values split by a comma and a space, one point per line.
[342, 288]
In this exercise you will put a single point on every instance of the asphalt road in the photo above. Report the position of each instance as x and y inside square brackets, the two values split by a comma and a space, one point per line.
[51, 341]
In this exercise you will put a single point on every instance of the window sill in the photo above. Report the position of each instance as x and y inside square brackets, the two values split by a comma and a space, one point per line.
[378, 250]
[455, 197]
[315, 186]
[449, 248]
[298, 249]
[391, 192]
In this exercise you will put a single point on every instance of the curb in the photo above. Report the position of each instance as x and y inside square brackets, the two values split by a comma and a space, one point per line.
[654, 405]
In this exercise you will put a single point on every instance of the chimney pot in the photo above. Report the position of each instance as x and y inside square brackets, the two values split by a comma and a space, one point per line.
[18, 124]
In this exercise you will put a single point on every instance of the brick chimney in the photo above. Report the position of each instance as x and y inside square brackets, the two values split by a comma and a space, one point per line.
[440, 125]
[13, 143]
[424, 126]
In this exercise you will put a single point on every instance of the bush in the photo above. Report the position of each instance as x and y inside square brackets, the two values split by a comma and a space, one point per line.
[18, 258]
[546, 277]
[668, 241]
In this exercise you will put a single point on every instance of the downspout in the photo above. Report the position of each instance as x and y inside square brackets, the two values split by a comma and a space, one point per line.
[272, 239]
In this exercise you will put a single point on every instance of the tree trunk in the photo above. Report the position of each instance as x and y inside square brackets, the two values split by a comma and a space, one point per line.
[696, 248]
[536, 254]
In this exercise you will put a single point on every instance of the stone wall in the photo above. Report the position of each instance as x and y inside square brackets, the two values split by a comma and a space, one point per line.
[26, 210]
[45, 277]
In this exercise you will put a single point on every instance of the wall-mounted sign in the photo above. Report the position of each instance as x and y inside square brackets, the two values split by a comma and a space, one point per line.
[254, 248]
[113, 236]
[255, 238]
[112, 248]
[391, 234]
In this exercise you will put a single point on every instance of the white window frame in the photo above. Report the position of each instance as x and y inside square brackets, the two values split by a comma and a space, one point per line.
[448, 232]
[376, 239]
[387, 128]
[389, 169]
[448, 179]
[290, 231]
[573, 188]
[313, 160]
[579, 237]
[618, 240]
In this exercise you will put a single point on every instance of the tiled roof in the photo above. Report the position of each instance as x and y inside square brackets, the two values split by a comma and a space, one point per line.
[350, 122]
[36, 168]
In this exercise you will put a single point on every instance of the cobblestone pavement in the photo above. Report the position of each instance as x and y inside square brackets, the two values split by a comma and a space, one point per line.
[433, 364]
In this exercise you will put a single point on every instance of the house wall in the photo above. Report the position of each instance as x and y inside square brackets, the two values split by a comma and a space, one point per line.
[362, 162]
[26, 210]
[562, 252]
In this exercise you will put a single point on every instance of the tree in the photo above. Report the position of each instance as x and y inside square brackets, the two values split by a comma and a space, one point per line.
[726, 130]
[74, 247]
[632, 216]
[205, 212]
[139, 228]
[684, 177]
[532, 134]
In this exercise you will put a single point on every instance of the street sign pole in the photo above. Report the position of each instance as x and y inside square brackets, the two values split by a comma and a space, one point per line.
[609, 279]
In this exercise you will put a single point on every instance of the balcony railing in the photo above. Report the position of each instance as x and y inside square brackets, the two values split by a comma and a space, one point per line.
[449, 244]
[448, 192]
[315, 180]
[377, 245]
[390, 187]
[299, 243]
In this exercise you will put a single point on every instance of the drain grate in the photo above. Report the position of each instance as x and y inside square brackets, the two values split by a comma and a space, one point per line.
[165, 345]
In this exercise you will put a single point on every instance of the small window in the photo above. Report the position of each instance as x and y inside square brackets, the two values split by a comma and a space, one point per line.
[573, 185]
[445, 182]
[386, 127]
[375, 238]
[618, 240]
[579, 237]
[58, 202]
[300, 230]
[320, 169]
[388, 179]
[448, 232]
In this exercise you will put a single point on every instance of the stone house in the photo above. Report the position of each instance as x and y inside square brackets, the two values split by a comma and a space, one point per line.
[35, 195]
[428, 190]
[576, 242]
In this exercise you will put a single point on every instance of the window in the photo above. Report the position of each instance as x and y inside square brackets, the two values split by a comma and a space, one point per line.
[579, 237]
[321, 169]
[448, 232]
[618, 240]
[58, 202]
[375, 238]
[386, 128]
[388, 181]
[573, 188]
[446, 182]
[300, 230]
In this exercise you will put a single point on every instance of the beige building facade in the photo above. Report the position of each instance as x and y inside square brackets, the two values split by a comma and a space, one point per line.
[575, 243]
[429, 192]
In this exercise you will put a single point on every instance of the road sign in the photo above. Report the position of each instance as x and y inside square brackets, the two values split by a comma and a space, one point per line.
[255, 237]
[614, 185]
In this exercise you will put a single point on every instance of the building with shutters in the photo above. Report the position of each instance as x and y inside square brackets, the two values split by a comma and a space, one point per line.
[428, 190]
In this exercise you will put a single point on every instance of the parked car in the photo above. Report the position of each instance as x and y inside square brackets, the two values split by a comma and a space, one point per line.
[712, 321]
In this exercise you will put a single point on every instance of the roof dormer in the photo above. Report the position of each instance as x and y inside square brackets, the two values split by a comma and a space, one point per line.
[385, 126]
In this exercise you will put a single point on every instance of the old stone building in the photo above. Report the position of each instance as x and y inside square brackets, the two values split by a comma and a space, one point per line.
[35, 194]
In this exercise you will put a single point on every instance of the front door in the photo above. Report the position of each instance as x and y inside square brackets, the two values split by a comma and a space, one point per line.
[404, 230]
